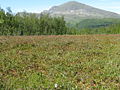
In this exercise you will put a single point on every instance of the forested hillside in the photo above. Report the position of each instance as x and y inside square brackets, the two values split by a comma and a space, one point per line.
[96, 23]
[112, 29]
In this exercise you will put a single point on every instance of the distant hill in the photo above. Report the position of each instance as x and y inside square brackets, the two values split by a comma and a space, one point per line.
[75, 11]
[96, 23]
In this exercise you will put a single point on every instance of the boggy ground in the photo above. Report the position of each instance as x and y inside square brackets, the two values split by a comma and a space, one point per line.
[60, 62]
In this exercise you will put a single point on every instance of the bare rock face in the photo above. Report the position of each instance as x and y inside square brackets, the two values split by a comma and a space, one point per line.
[74, 10]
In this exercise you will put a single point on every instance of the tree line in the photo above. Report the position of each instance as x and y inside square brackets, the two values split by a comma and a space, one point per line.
[30, 24]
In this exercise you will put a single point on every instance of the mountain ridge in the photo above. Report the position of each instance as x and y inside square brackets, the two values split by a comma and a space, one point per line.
[74, 10]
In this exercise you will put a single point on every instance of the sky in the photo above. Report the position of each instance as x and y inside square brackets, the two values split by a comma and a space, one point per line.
[39, 5]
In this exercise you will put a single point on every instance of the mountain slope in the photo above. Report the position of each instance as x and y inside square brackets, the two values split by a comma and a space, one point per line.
[75, 11]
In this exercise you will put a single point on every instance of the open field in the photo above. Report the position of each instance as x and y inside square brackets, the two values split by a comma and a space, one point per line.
[65, 62]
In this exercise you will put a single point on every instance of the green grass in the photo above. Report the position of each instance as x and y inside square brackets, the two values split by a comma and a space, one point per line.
[71, 62]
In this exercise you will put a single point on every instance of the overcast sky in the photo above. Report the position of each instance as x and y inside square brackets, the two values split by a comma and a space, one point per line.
[40, 5]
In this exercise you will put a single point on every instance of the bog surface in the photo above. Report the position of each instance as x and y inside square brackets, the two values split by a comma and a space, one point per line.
[60, 62]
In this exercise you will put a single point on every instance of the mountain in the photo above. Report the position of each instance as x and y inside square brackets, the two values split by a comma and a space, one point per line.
[75, 11]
